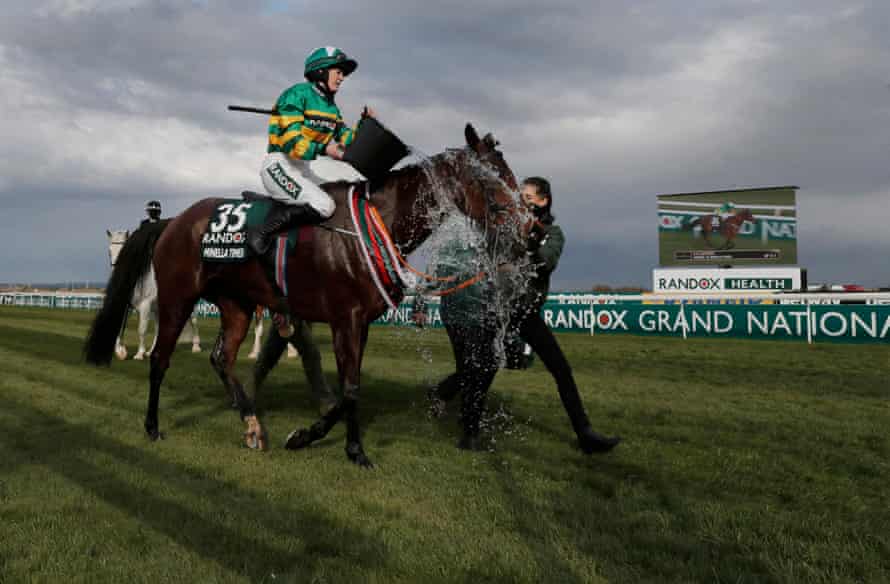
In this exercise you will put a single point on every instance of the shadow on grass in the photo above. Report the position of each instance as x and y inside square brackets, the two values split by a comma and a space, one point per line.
[237, 551]
[628, 540]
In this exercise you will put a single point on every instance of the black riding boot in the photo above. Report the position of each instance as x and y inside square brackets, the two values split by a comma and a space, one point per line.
[280, 218]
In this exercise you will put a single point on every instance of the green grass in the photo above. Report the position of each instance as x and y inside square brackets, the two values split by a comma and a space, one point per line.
[744, 461]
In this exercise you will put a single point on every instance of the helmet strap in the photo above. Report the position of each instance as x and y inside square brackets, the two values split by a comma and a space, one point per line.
[319, 79]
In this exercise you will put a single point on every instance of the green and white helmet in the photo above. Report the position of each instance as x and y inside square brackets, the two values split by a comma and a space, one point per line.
[326, 57]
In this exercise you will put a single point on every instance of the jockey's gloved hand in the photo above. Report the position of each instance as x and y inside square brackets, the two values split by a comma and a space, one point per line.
[334, 150]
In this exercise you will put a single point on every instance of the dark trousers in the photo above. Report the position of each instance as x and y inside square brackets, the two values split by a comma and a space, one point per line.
[476, 365]
[534, 331]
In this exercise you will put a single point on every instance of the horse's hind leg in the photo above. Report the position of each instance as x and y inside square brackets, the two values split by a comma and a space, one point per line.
[268, 358]
[235, 322]
[120, 350]
[144, 318]
[196, 338]
[171, 319]
[257, 335]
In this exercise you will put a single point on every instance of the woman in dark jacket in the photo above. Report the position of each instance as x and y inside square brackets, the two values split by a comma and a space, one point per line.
[544, 249]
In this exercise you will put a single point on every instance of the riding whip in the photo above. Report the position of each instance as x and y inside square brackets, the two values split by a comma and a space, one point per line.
[253, 110]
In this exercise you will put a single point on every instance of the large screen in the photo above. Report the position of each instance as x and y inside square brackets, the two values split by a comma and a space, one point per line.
[740, 227]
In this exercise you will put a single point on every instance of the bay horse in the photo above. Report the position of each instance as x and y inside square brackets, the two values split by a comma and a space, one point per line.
[729, 227]
[327, 279]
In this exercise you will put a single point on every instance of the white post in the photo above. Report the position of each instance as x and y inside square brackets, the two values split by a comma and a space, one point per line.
[683, 314]
[592, 318]
[809, 324]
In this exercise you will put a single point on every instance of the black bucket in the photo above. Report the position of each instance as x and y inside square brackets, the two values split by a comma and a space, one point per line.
[375, 150]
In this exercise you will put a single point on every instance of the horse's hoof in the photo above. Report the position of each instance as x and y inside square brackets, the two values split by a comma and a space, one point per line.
[256, 440]
[252, 356]
[356, 454]
[139, 356]
[437, 405]
[298, 439]
[255, 436]
[154, 435]
[591, 442]
[196, 349]
[121, 353]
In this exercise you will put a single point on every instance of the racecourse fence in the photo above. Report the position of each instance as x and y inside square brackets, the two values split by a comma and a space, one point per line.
[841, 317]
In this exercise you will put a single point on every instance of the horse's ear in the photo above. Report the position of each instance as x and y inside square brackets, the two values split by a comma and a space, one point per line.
[472, 137]
[490, 141]
[108, 231]
[126, 234]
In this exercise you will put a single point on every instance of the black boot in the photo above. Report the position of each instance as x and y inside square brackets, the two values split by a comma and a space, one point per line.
[280, 218]
[588, 440]
[591, 441]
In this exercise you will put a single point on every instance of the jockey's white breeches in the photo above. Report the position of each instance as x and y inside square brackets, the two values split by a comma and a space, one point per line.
[295, 182]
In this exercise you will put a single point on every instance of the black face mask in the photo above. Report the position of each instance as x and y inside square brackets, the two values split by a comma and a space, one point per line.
[542, 213]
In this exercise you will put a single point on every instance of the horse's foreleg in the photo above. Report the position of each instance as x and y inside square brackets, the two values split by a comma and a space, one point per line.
[349, 346]
[235, 322]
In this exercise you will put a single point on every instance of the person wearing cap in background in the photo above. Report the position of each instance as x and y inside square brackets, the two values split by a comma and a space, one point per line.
[153, 210]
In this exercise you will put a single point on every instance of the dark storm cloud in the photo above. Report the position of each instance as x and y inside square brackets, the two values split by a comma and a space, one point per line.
[617, 102]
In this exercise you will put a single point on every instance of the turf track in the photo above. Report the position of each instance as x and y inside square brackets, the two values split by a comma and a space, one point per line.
[744, 461]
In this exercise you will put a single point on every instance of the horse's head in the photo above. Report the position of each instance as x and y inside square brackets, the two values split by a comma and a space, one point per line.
[116, 241]
[745, 215]
[489, 191]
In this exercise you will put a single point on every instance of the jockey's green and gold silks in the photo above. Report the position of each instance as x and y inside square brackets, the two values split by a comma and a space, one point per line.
[306, 122]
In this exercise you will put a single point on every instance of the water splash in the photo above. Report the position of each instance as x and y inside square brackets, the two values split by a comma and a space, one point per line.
[507, 277]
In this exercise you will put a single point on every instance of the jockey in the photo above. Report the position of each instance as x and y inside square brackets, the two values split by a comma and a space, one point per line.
[723, 212]
[153, 209]
[307, 125]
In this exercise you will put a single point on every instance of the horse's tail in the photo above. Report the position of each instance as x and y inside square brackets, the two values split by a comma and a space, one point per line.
[132, 263]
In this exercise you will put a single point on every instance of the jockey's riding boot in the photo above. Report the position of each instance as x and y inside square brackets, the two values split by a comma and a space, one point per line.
[279, 218]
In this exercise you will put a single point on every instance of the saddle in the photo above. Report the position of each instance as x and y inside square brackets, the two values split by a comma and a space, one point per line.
[225, 240]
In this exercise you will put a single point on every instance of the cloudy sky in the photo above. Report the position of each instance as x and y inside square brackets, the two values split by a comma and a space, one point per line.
[109, 103]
